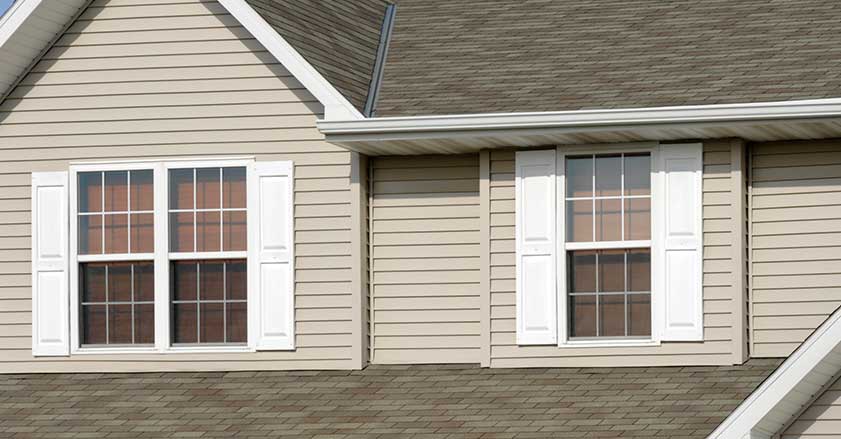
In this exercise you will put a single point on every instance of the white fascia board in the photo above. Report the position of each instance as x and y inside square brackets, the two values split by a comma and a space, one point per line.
[750, 419]
[336, 106]
[17, 14]
[726, 113]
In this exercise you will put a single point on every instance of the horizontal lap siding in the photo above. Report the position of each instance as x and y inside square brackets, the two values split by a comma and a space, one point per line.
[184, 80]
[796, 242]
[425, 283]
[718, 293]
[822, 420]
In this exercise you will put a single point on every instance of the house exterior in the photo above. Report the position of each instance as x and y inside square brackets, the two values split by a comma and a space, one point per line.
[242, 185]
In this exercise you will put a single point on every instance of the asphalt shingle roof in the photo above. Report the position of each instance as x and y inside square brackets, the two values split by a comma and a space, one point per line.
[381, 401]
[339, 38]
[479, 56]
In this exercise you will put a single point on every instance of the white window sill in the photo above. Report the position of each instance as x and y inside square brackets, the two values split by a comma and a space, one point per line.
[608, 344]
[170, 350]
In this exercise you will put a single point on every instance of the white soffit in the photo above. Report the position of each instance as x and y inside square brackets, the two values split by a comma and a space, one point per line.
[790, 389]
[805, 119]
[27, 30]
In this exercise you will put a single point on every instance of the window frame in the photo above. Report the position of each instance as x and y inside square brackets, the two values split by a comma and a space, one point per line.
[161, 256]
[562, 246]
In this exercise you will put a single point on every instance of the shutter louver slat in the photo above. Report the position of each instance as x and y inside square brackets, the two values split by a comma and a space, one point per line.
[536, 247]
[270, 269]
[50, 283]
[681, 239]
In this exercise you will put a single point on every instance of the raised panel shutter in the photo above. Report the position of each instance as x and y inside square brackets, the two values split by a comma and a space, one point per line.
[535, 247]
[681, 248]
[271, 271]
[50, 283]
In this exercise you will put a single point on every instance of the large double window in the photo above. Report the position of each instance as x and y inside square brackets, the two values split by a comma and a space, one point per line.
[608, 245]
[127, 273]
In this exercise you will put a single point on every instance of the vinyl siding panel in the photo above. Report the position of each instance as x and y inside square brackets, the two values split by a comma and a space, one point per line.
[821, 420]
[425, 261]
[115, 87]
[796, 241]
[720, 293]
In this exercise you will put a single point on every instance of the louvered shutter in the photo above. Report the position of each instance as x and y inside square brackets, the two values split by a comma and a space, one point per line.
[536, 247]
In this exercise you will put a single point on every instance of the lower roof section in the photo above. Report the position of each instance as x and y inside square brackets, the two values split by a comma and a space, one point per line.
[383, 401]
[453, 134]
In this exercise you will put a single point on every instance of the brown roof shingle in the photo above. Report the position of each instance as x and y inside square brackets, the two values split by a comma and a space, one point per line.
[339, 38]
[381, 401]
[479, 56]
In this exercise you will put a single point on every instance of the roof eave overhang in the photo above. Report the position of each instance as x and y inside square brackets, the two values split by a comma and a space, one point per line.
[804, 119]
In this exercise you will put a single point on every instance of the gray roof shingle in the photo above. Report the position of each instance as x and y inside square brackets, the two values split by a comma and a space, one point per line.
[479, 56]
[339, 38]
[381, 401]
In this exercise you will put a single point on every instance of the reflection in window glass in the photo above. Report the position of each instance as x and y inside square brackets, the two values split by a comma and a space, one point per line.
[209, 302]
[117, 303]
[115, 212]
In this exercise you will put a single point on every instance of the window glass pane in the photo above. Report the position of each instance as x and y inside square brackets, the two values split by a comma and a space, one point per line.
[612, 315]
[612, 271]
[582, 272]
[142, 194]
[582, 316]
[609, 220]
[142, 233]
[90, 192]
[90, 235]
[119, 282]
[184, 285]
[236, 320]
[207, 188]
[639, 315]
[116, 233]
[181, 189]
[92, 282]
[608, 175]
[181, 232]
[144, 324]
[116, 191]
[93, 324]
[579, 222]
[144, 282]
[639, 270]
[236, 283]
[211, 283]
[184, 323]
[638, 218]
[212, 324]
[579, 176]
[233, 195]
[638, 174]
[208, 235]
[119, 324]
[234, 231]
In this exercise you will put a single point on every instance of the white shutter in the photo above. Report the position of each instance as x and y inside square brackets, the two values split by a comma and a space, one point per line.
[535, 235]
[271, 246]
[50, 283]
[681, 242]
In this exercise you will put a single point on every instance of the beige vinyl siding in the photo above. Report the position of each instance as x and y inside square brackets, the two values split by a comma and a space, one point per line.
[822, 420]
[796, 241]
[152, 79]
[720, 294]
[425, 285]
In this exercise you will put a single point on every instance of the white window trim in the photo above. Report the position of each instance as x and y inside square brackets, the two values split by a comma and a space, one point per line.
[161, 256]
[562, 246]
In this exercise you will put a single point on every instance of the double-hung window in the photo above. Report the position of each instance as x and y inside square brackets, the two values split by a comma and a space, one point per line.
[164, 257]
[608, 245]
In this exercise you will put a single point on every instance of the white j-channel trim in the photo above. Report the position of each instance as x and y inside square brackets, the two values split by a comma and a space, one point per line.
[336, 106]
[780, 397]
[396, 126]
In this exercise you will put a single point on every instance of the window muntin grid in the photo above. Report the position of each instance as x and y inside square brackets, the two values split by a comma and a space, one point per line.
[116, 212]
[117, 303]
[607, 202]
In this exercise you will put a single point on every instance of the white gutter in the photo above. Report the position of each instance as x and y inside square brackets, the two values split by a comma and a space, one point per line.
[727, 113]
